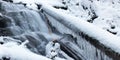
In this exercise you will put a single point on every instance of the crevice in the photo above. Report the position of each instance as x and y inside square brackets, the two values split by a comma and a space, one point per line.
[8, 1]
[93, 15]
[61, 7]
[112, 32]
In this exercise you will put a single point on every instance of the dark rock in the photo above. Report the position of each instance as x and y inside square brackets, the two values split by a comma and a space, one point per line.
[8, 0]
[112, 27]
[38, 42]
[112, 32]
[5, 58]
[63, 2]
[77, 4]
[5, 32]
[5, 22]
[67, 44]
[1, 42]
[38, 6]
[58, 7]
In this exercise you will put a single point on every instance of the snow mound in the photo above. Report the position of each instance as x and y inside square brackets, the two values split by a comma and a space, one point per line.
[16, 51]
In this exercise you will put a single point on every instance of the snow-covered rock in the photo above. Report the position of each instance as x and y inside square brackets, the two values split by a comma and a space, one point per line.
[104, 37]
[15, 51]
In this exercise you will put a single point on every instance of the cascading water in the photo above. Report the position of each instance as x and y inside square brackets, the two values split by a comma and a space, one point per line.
[22, 24]
[24, 19]
[79, 46]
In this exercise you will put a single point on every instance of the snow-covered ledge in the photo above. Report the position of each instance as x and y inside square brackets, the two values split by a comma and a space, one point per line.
[10, 49]
[103, 40]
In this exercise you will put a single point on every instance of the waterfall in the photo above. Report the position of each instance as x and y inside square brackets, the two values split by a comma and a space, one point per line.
[23, 18]
[23, 24]
[39, 28]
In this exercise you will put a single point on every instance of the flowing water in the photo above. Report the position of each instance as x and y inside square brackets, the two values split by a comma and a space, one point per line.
[23, 24]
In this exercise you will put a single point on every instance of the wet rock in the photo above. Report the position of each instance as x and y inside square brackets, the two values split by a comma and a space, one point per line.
[5, 22]
[59, 7]
[8, 0]
[5, 32]
[5, 58]
[69, 47]
[37, 43]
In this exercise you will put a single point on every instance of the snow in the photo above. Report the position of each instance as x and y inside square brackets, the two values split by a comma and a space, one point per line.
[50, 2]
[18, 52]
[93, 31]
[108, 15]
[107, 11]
[32, 3]
[53, 50]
